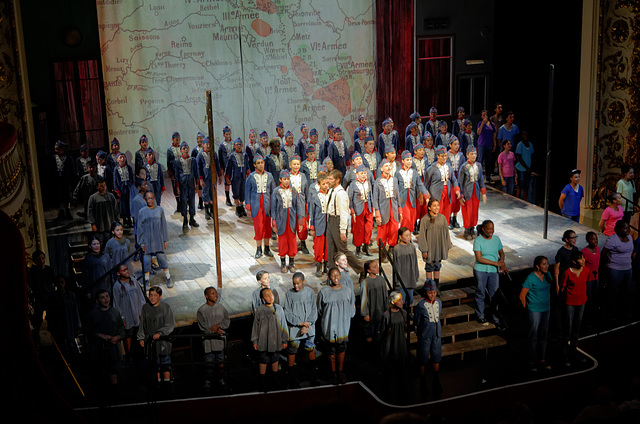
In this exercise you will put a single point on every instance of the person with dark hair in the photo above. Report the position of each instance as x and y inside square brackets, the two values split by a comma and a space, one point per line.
[225, 149]
[627, 188]
[571, 196]
[85, 188]
[258, 191]
[441, 182]
[156, 321]
[301, 313]
[535, 297]
[118, 247]
[276, 160]
[393, 330]
[374, 300]
[338, 151]
[317, 207]
[82, 161]
[472, 189]
[428, 314]
[102, 210]
[140, 157]
[205, 178]
[360, 194]
[173, 153]
[434, 240]
[264, 281]
[128, 298]
[489, 254]
[457, 126]
[213, 320]
[618, 254]
[486, 143]
[592, 261]
[573, 295]
[103, 169]
[335, 310]
[506, 167]
[153, 236]
[612, 214]
[236, 175]
[405, 261]
[185, 171]
[106, 331]
[269, 335]
[155, 175]
[94, 270]
[386, 207]
[524, 153]
[122, 183]
[287, 217]
[411, 191]
[563, 256]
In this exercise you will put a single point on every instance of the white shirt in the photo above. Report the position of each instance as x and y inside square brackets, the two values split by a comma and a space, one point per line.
[444, 172]
[433, 310]
[364, 189]
[261, 182]
[387, 184]
[296, 182]
[339, 206]
[287, 197]
[406, 177]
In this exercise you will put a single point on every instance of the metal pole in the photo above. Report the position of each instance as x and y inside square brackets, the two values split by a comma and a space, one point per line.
[214, 184]
[548, 170]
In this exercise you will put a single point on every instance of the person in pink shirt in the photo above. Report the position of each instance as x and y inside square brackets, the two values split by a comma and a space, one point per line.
[507, 168]
[592, 261]
[612, 214]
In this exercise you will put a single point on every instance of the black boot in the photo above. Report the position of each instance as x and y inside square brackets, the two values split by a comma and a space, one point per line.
[200, 204]
[365, 250]
[267, 252]
[193, 222]
[292, 265]
[178, 205]
[243, 210]
[283, 265]
[318, 269]
[228, 200]
[207, 211]
[455, 222]
[416, 228]
[185, 225]
[324, 267]
[358, 252]
[258, 252]
[274, 236]
[238, 213]
[390, 250]
[303, 248]
[383, 256]
[468, 233]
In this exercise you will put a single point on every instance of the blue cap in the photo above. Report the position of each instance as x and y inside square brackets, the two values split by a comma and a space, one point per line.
[330, 126]
[83, 148]
[226, 129]
[367, 138]
[288, 134]
[101, 154]
[406, 155]
[264, 134]
[361, 168]
[442, 124]
[279, 124]
[149, 150]
[284, 174]
[114, 141]
[429, 285]
[389, 118]
[205, 140]
[322, 168]
[309, 148]
[415, 115]
[418, 146]
[313, 132]
[356, 155]
[61, 144]
[258, 157]
[184, 143]
[252, 131]
[440, 150]
[362, 128]
[385, 122]
[452, 139]
[237, 141]
[294, 157]
[337, 130]
[360, 118]
[175, 135]
[384, 162]
[433, 110]
[303, 126]
[428, 134]
[120, 154]
[460, 109]
[471, 149]
[327, 159]
[412, 125]
[389, 149]
[199, 134]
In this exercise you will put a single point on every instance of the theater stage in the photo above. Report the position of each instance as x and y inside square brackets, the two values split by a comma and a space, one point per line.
[192, 256]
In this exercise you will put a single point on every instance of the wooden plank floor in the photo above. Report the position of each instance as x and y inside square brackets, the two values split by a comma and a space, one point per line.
[192, 256]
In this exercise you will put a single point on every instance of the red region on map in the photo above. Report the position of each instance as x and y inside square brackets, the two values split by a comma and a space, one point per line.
[261, 28]
[338, 94]
[266, 6]
[304, 74]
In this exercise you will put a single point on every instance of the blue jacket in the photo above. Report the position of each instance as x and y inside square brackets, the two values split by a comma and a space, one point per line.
[252, 197]
[279, 212]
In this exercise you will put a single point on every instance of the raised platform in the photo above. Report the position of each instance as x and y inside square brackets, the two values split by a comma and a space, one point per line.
[192, 256]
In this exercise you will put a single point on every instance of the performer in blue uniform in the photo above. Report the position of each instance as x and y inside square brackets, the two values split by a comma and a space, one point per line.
[186, 172]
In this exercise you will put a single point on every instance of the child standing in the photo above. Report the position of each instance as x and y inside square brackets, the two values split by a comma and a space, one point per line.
[472, 186]
[506, 167]
[104, 170]
[441, 182]
[412, 192]
[592, 261]
[405, 261]
[155, 175]
[128, 299]
[224, 151]
[387, 138]
[275, 161]
[318, 223]
[173, 154]
[386, 201]
[153, 236]
[258, 192]
[65, 177]
[123, 183]
[269, 334]
[194, 154]
[457, 125]
[82, 161]
[236, 176]
[186, 171]
[335, 310]
[156, 321]
[455, 158]
[203, 161]
[573, 296]
[434, 240]
[85, 188]
[571, 197]
[428, 328]
[286, 212]
[102, 210]
[299, 183]
[360, 195]
[118, 247]
[627, 188]
[213, 320]
[370, 157]
[394, 330]
[612, 214]
[264, 281]
[310, 165]
[106, 330]
[443, 137]
[338, 151]
[467, 137]
[374, 300]
[141, 154]
[301, 313]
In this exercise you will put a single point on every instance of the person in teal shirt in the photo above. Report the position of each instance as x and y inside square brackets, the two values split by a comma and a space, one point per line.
[536, 299]
[627, 188]
[489, 260]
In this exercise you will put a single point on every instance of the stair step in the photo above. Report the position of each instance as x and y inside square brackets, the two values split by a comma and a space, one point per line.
[446, 296]
[464, 328]
[471, 345]
[457, 311]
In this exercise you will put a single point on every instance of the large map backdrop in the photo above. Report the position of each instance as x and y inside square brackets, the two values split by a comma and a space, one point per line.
[296, 61]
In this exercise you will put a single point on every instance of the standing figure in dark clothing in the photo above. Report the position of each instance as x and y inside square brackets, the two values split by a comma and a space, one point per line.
[94, 268]
[185, 172]
[156, 320]
[82, 161]
[63, 318]
[41, 287]
[173, 153]
[65, 179]
[85, 188]
[106, 330]
[123, 182]
[102, 211]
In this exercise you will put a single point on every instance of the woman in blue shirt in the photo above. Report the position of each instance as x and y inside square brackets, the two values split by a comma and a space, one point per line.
[536, 299]
[571, 197]
[489, 260]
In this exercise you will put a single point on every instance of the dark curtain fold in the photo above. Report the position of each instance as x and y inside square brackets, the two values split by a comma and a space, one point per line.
[395, 58]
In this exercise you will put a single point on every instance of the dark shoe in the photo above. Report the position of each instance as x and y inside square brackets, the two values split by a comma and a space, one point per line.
[500, 326]
[200, 204]
[342, 378]
[228, 200]
[292, 265]
[238, 213]
[455, 222]
[81, 214]
[267, 252]
[274, 236]
[468, 234]
[193, 222]
[303, 248]
[390, 250]
[208, 214]
[482, 321]
[283, 265]
[243, 210]
[324, 267]
[365, 250]
[185, 225]
[318, 269]
[258, 254]
[416, 228]
[358, 252]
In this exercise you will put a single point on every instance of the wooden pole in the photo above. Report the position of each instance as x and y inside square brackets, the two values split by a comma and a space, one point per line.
[547, 178]
[214, 189]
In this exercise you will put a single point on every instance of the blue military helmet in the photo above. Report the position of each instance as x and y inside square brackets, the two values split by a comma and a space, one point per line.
[406, 155]
[415, 115]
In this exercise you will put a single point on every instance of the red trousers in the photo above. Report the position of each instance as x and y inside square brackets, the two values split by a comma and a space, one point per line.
[455, 204]
[362, 227]
[445, 204]
[261, 223]
[302, 235]
[409, 214]
[320, 249]
[287, 242]
[470, 210]
[389, 231]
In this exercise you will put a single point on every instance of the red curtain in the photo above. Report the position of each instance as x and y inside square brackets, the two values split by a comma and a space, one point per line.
[394, 56]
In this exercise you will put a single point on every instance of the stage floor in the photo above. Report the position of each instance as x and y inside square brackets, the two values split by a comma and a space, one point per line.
[192, 256]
